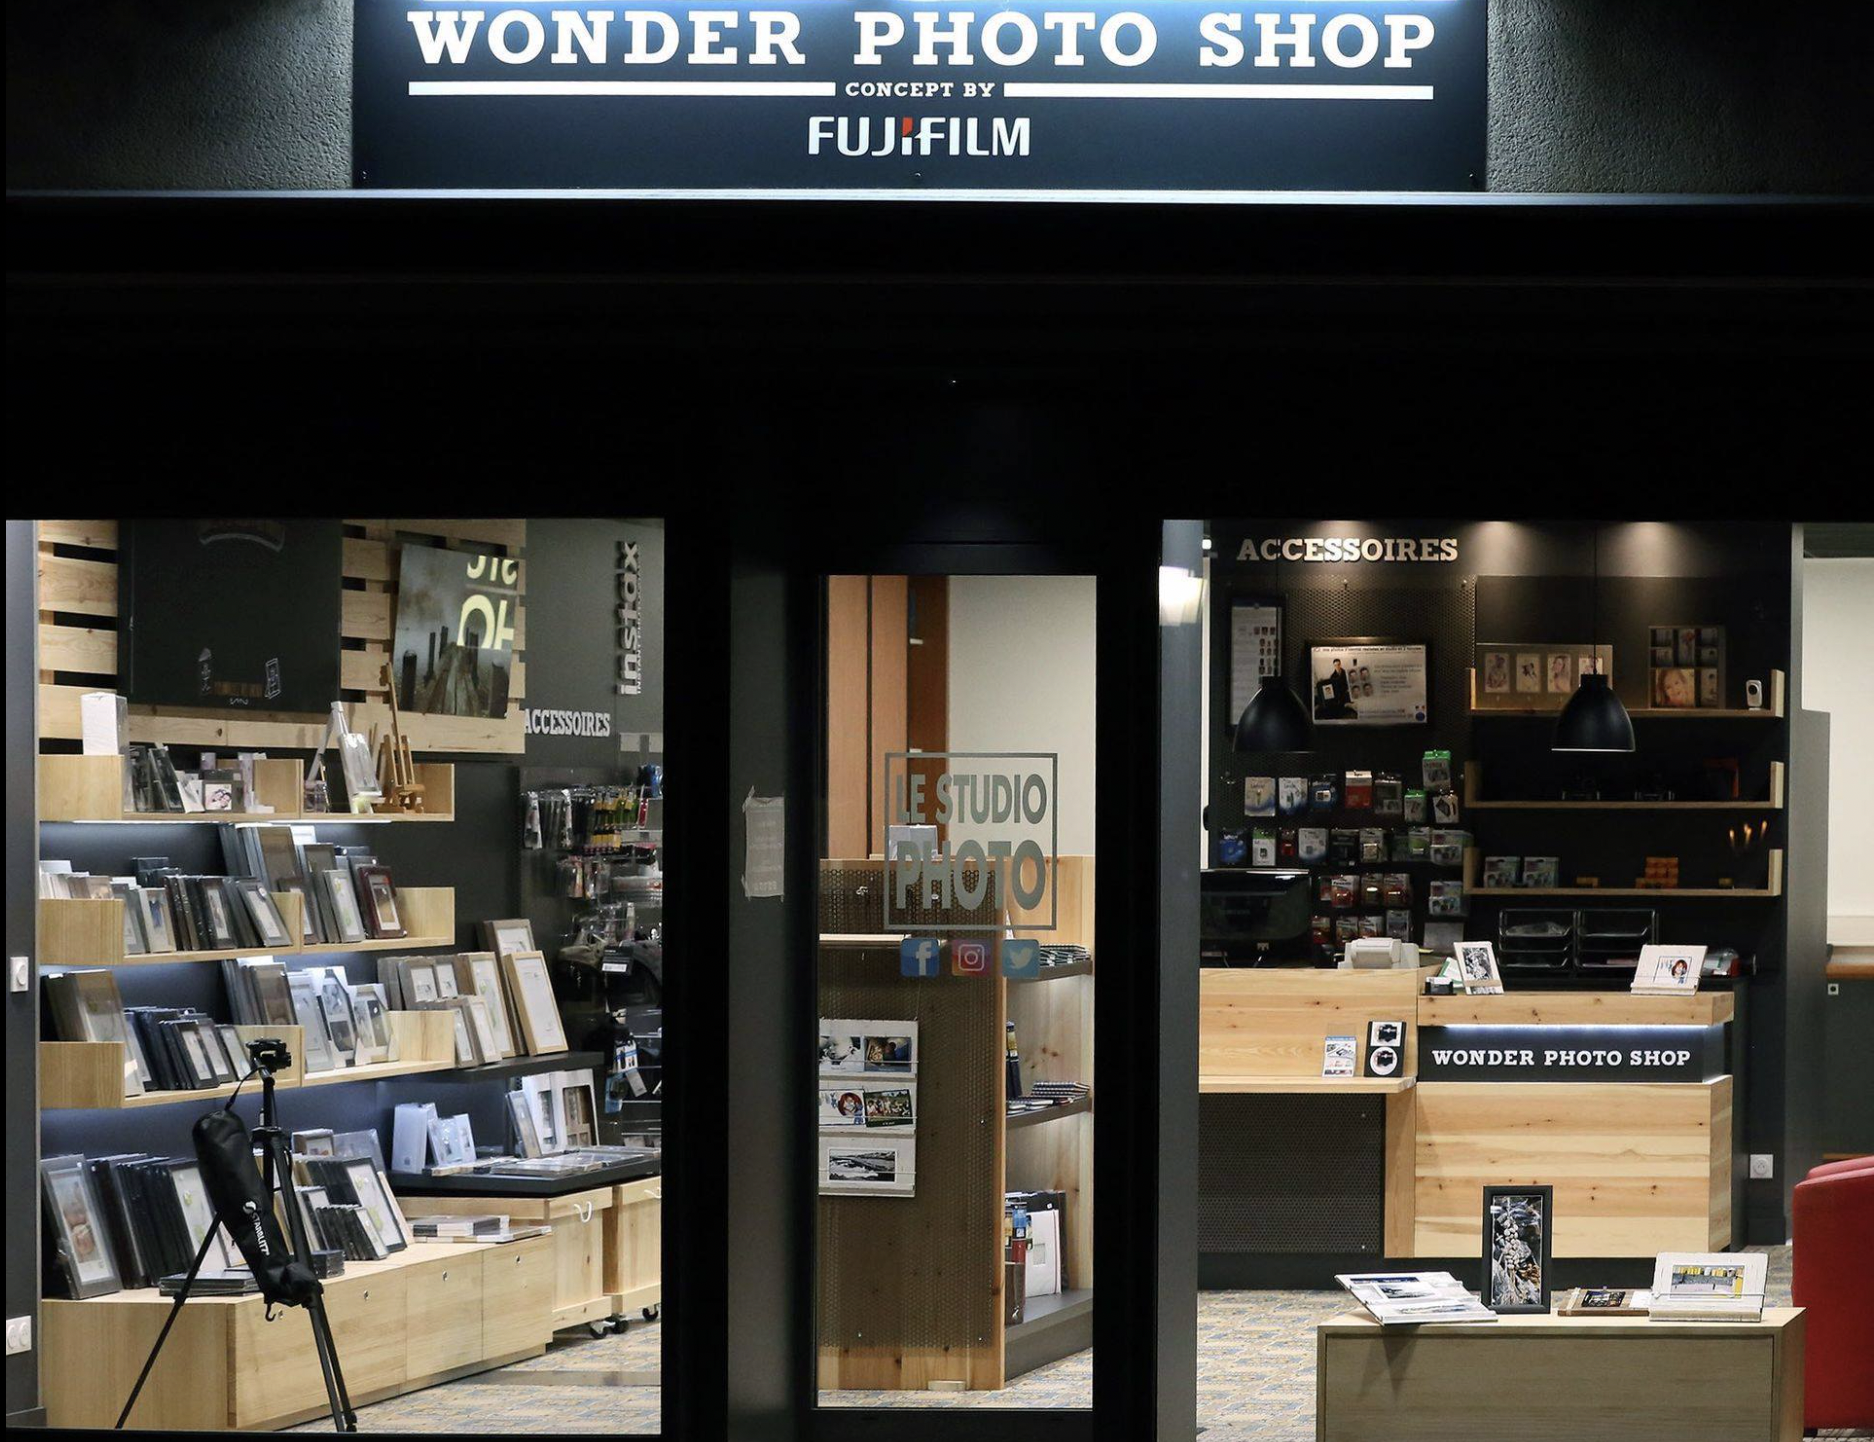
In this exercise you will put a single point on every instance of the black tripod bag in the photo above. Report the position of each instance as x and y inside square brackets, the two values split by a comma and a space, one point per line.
[226, 1154]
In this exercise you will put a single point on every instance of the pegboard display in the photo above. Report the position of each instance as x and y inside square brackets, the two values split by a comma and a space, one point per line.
[1291, 1175]
[903, 1278]
[1442, 620]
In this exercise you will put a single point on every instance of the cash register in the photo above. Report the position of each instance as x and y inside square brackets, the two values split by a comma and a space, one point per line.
[1254, 917]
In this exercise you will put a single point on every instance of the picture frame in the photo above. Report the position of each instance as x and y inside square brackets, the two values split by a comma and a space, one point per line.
[371, 1030]
[1533, 675]
[340, 1026]
[379, 895]
[1668, 970]
[484, 972]
[198, 1213]
[159, 927]
[77, 1226]
[1369, 681]
[343, 897]
[521, 1123]
[367, 1183]
[539, 1011]
[309, 1012]
[1477, 969]
[268, 924]
[1518, 1247]
[222, 935]
[481, 1027]
[506, 937]
[465, 1050]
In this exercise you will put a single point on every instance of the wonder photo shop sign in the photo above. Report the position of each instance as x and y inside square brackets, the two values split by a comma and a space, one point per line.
[1177, 95]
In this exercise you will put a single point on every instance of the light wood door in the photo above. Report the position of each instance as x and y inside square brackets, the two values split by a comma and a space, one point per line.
[445, 1310]
[517, 1297]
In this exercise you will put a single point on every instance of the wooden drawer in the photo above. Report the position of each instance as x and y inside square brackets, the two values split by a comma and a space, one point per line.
[579, 1262]
[445, 1315]
[276, 1373]
[517, 1297]
[634, 1244]
[93, 1350]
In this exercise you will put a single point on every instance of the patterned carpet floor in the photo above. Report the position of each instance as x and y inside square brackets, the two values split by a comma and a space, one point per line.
[1255, 1378]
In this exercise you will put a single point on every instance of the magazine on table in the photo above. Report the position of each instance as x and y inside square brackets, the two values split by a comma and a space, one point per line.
[1709, 1286]
[1411, 1298]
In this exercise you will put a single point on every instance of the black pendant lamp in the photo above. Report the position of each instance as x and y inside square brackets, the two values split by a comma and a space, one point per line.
[1274, 720]
[1594, 719]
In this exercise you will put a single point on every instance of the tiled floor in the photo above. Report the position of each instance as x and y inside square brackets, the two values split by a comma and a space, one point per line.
[1255, 1378]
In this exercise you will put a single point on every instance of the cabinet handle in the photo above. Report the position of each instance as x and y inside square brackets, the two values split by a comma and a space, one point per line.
[445, 1276]
[367, 1294]
[517, 1261]
[586, 1215]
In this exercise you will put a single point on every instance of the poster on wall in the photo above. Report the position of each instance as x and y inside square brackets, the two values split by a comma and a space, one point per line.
[454, 649]
[1364, 683]
[186, 635]
[1026, 98]
[1255, 650]
[1533, 676]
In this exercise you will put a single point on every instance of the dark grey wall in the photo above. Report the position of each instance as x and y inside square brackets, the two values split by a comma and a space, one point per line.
[22, 1016]
[1591, 95]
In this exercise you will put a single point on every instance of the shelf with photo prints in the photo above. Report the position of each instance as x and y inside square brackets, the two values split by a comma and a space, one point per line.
[1772, 887]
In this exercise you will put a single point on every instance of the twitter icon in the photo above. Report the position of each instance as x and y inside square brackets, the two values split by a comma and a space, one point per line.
[1021, 957]
[919, 956]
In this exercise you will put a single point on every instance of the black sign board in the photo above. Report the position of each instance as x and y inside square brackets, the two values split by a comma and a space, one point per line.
[1025, 97]
[1571, 1053]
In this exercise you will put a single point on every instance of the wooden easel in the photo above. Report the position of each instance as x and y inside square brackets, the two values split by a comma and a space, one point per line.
[396, 772]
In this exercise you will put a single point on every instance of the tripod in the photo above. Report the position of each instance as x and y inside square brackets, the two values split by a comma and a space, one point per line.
[276, 1162]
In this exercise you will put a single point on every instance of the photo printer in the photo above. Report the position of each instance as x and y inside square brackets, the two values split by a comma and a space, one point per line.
[1381, 953]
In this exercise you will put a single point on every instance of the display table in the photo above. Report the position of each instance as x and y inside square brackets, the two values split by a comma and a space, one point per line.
[430, 1313]
[1561, 1379]
[607, 1234]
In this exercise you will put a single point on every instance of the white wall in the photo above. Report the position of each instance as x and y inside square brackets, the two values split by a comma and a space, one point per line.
[1837, 622]
[1022, 679]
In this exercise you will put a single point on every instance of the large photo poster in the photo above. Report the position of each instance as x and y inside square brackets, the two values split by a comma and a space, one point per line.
[454, 649]
[1365, 684]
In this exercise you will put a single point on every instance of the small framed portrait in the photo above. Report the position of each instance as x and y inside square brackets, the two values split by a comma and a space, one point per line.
[1517, 1248]
[507, 938]
[1529, 671]
[1496, 669]
[1476, 963]
[77, 1226]
[1561, 671]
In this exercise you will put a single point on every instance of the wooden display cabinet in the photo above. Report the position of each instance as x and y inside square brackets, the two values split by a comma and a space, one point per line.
[427, 1314]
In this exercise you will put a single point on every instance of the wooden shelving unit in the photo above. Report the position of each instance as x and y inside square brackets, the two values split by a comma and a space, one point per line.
[90, 790]
[1474, 801]
[1079, 1106]
[88, 1076]
[1773, 889]
[88, 932]
[1776, 704]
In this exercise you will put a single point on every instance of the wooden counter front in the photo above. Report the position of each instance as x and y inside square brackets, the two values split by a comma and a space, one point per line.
[1578, 1008]
[1637, 1167]
[1273, 1021]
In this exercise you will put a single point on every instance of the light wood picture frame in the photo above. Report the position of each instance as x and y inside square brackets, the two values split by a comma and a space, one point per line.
[506, 937]
[534, 1002]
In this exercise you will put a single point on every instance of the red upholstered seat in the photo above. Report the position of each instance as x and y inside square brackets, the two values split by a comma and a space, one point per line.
[1833, 1279]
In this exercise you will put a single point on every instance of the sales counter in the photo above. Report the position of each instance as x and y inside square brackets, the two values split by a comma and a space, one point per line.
[1623, 1104]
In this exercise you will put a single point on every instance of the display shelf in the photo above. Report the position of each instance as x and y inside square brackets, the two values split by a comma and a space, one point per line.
[1058, 973]
[1052, 1327]
[1038, 1312]
[89, 1075]
[1578, 1008]
[1016, 1120]
[90, 932]
[1300, 1085]
[90, 790]
[1773, 711]
[529, 1065]
[860, 941]
[1473, 783]
[425, 1043]
[1773, 889]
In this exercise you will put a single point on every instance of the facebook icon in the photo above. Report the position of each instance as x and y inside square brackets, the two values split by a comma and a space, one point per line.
[918, 955]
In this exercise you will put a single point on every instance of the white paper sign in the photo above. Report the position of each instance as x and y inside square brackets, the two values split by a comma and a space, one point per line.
[764, 863]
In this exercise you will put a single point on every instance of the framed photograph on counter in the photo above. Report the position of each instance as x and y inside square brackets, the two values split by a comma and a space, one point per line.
[1477, 970]
[1368, 681]
[1517, 1248]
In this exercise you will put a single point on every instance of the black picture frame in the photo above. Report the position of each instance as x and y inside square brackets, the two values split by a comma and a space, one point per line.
[1518, 1227]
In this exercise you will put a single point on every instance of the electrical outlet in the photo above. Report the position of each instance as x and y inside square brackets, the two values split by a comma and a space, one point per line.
[19, 1335]
[1762, 1166]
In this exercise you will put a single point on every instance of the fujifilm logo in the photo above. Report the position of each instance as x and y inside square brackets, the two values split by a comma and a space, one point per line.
[864, 135]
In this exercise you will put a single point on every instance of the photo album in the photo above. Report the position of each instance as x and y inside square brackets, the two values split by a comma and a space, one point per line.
[1410, 1298]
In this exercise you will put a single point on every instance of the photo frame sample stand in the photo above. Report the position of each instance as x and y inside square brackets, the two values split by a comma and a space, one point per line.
[276, 1163]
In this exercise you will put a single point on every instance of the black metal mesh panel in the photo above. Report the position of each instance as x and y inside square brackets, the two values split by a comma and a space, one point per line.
[852, 902]
[1291, 1174]
[920, 1271]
